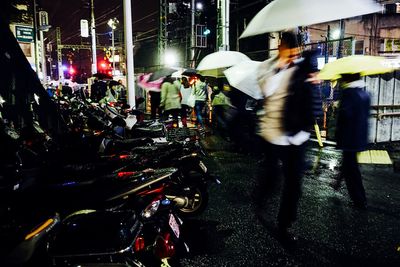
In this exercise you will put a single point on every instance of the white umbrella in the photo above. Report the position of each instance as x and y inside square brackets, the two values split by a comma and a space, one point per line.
[243, 76]
[178, 73]
[215, 63]
[280, 15]
[216, 73]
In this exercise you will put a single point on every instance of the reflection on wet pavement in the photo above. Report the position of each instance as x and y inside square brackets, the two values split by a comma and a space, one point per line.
[331, 232]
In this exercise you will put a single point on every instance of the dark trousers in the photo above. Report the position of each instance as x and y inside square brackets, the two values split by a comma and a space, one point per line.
[199, 106]
[350, 172]
[292, 158]
[185, 109]
[155, 99]
[173, 112]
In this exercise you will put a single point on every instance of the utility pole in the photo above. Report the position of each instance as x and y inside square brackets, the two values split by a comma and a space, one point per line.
[193, 34]
[59, 55]
[113, 25]
[43, 26]
[340, 46]
[327, 37]
[43, 57]
[113, 51]
[162, 32]
[93, 32]
[35, 36]
[130, 71]
[223, 25]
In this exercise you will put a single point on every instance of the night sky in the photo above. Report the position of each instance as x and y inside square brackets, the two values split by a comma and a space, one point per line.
[67, 15]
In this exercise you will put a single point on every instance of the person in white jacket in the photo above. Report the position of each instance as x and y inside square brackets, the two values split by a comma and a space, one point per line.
[187, 101]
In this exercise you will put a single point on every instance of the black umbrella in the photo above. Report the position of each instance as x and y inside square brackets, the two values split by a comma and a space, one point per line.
[161, 73]
[102, 76]
[113, 83]
[189, 72]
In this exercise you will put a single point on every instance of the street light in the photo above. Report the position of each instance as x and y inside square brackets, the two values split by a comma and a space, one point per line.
[199, 6]
[170, 58]
[113, 25]
[336, 34]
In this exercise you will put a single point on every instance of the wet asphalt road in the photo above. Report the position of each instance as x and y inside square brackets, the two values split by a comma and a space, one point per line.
[331, 232]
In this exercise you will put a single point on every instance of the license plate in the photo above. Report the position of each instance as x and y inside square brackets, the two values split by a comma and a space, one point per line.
[174, 225]
[130, 121]
[202, 166]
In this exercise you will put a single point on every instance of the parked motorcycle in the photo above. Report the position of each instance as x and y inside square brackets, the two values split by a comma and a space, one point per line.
[118, 238]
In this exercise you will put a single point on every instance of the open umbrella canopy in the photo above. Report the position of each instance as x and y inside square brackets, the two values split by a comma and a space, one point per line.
[189, 72]
[280, 15]
[214, 64]
[243, 77]
[102, 76]
[161, 73]
[113, 83]
[216, 73]
[184, 72]
[365, 65]
[221, 59]
[143, 81]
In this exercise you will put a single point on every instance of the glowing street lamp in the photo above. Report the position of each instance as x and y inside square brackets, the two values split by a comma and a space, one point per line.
[199, 6]
[336, 34]
[170, 58]
[112, 23]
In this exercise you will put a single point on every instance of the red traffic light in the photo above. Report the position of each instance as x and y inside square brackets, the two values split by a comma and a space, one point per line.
[71, 70]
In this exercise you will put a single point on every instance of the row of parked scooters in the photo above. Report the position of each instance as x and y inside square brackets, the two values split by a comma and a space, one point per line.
[109, 190]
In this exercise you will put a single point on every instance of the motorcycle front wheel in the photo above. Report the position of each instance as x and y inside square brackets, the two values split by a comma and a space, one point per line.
[197, 198]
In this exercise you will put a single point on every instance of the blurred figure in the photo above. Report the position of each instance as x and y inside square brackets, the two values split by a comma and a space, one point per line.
[170, 98]
[237, 119]
[309, 64]
[155, 99]
[120, 89]
[58, 89]
[50, 90]
[98, 90]
[352, 135]
[284, 125]
[220, 104]
[200, 92]
[187, 101]
[109, 96]
[66, 89]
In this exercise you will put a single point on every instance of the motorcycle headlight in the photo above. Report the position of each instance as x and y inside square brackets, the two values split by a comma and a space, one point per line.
[151, 209]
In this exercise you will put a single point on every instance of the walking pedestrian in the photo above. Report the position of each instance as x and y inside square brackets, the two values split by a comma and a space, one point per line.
[187, 101]
[352, 135]
[170, 99]
[201, 95]
[284, 127]
[155, 98]
[220, 104]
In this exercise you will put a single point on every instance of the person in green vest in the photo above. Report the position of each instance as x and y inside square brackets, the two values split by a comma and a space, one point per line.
[170, 98]
[200, 92]
[220, 104]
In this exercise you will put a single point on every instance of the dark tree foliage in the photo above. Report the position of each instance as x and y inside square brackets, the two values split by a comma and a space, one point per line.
[20, 11]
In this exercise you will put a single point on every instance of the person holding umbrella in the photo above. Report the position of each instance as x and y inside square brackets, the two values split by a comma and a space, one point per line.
[201, 93]
[283, 129]
[352, 116]
[171, 98]
[187, 100]
[352, 135]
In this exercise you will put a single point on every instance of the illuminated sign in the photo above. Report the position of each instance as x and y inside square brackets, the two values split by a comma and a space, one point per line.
[24, 34]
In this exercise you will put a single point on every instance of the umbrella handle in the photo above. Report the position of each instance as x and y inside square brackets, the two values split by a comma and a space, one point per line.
[318, 133]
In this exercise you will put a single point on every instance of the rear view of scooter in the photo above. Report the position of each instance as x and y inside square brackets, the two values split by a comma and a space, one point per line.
[118, 238]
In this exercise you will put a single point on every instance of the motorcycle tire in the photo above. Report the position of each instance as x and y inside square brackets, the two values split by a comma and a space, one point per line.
[198, 199]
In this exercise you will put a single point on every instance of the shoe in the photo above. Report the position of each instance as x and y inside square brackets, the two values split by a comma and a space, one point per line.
[362, 205]
[286, 238]
[336, 185]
